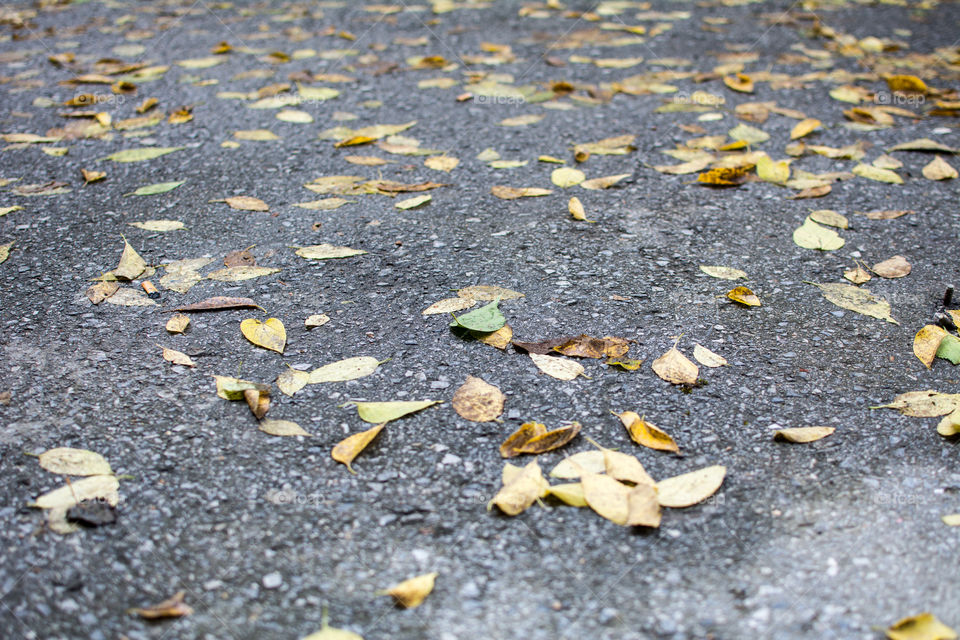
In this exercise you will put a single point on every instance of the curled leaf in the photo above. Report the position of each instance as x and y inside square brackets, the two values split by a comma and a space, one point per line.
[647, 434]
[411, 593]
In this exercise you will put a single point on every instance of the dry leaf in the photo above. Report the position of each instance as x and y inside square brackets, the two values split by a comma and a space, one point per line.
[570, 493]
[96, 293]
[232, 388]
[172, 607]
[604, 182]
[877, 174]
[246, 203]
[411, 593]
[533, 438]
[923, 404]
[855, 299]
[478, 401]
[512, 193]
[939, 169]
[349, 369]
[316, 320]
[441, 163]
[830, 218]
[487, 292]
[744, 296]
[282, 428]
[292, 380]
[567, 177]
[802, 435]
[74, 462]
[690, 488]
[676, 368]
[725, 177]
[559, 368]
[524, 487]
[499, 338]
[413, 203]
[258, 400]
[327, 252]
[951, 520]
[131, 298]
[857, 275]
[374, 412]
[811, 235]
[449, 305]
[218, 303]
[923, 626]
[526, 432]
[131, 264]
[708, 358]
[647, 434]
[585, 346]
[177, 357]
[895, 267]
[330, 633]
[575, 207]
[804, 127]
[350, 447]
[159, 225]
[269, 334]
[236, 274]
[606, 496]
[926, 343]
[725, 273]
[579, 463]
[100, 487]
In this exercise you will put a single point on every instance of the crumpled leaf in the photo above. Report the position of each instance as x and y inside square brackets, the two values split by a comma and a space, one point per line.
[559, 368]
[411, 593]
[923, 626]
[857, 275]
[478, 401]
[327, 252]
[131, 264]
[177, 323]
[96, 293]
[708, 358]
[725, 273]
[811, 235]
[74, 462]
[691, 488]
[647, 434]
[282, 428]
[218, 303]
[802, 435]
[269, 334]
[343, 370]
[895, 267]
[99, 487]
[243, 272]
[485, 319]
[258, 400]
[676, 368]
[855, 299]
[292, 380]
[744, 296]
[939, 169]
[725, 176]
[565, 177]
[923, 404]
[533, 438]
[449, 305]
[350, 447]
[177, 357]
[144, 153]
[585, 346]
[486, 292]
[524, 487]
[172, 607]
[375, 412]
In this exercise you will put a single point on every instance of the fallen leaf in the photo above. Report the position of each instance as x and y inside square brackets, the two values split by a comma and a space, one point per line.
[177, 323]
[349, 448]
[246, 203]
[269, 334]
[604, 182]
[127, 297]
[478, 401]
[879, 175]
[5, 210]
[923, 404]
[232, 388]
[131, 264]
[349, 369]
[923, 626]
[258, 400]
[411, 593]
[725, 273]
[802, 435]
[327, 252]
[773, 172]
[316, 320]
[855, 299]
[939, 169]
[236, 274]
[676, 368]
[606, 496]
[144, 153]
[949, 349]
[951, 520]
[294, 116]
[521, 121]
[708, 358]
[804, 128]
[88, 177]
[256, 135]
[744, 296]
[512, 193]
[177, 357]
[441, 163]
[812, 192]
[499, 338]
[375, 412]
[292, 380]
[895, 267]
[559, 368]
[830, 218]
[449, 305]
[627, 364]
[570, 494]
[99, 487]
[486, 292]
[156, 189]
[74, 462]
[172, 607]
[926, 342]
[326, 204]
[691, 488]
[923, 144]
[724, 177]
[486, 319]
[159, 225]
[533, 438]
[647, 434]
[282, 428]
[565, 177]
[579, 463]
[330, 633]
[857, 275]
[887, 214]
[413, 203]
[218, 303]
[739, 82]
[525, 487]
[811, 235]
[96, 293]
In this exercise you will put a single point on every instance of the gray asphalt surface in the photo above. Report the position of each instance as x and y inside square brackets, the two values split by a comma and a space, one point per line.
[836, 539]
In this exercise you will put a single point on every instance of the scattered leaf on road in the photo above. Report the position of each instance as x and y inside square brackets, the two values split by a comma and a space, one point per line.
[524, 487]
[375, 412]
[478, 401]
[411, 593]
[923, 626]
[690, 488]
[172, 607]
[282, 428]
[74, 462]
[559, 368]
[856, 299]
[802, 435]
[269, 334]
[647, 434]
[350, 447]
[349, 369]
[676, 368]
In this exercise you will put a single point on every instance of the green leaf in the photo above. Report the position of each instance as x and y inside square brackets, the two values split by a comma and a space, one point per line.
[156, 188]
[377, 412]
[949, 349]
[485, 319]
[143, 153]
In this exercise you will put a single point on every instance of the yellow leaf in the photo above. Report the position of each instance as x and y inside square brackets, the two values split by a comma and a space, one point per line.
[856, 299]
[5, 251]
[570, 493]
[879, 175]
[725, 176]
[282, 428]
[770, 171]
[256, 135]
[74, 462]
[99, 487]
[5, 210]
[951, 520]
[441, 163]
[533, 438]
[316, 320]
[172, 607]
[559, 368]
[575, 207]
[895, 267]
[744, 296]
[647, 434]
[830, 218]
[950, 424]
[349, 448]
[246, 203]
[926, 342]
[131, 264]
[478, 401]
[349, 369]
[604, 182]
[708, 358]
[521, 488]
[522, 121]
[499, 338]
[739, 82]
[748, 134]
[512, 193]
[177, 323]
[292, 380]
[939, 169]
[177, 357]
[159, 225]
[413, 203]
[580, 463]
[239, 273]
[811, 235]
[375, 412]
[567, 177]
[327, 252]
[411, 593]
[923, 626]
[676, 368]
[804, 128]
[294, 116]
[449, 305]
[606, 496]
[906, 84]
[725, 273]
[802, 435]
[690, 488]
[488, 293]
[269, 334]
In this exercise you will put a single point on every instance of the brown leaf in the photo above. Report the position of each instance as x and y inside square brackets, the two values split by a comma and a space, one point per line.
[526, 432]
[533, 438]
[389, 187]
[478, 401]
[240, 258]
[887, 214]
[172, 607]
[350, 447]
[926, 343]
[895, 267]
[100, 291]
[585, 346]
[512, 193]
[218, 303]
[258, 400]
[177, 323]
[544, 346]
[647, 434]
